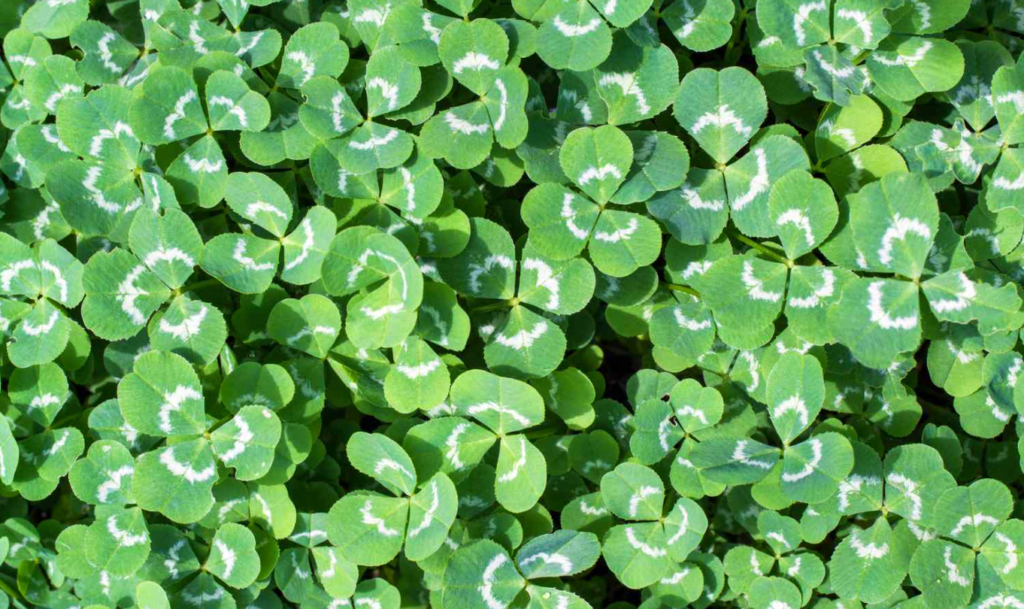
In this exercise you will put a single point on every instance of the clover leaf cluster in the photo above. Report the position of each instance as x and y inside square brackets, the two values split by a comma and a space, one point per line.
[494, 304]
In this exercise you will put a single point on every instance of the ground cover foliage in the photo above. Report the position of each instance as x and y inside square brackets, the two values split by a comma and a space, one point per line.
[483, 304]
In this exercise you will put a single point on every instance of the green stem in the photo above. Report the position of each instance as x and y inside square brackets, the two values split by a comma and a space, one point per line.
[198, 285]
[220, 422]
[494, 306]
[758, 246]
[68, 419]
[675, 287]
[731, 58]
[6, 582]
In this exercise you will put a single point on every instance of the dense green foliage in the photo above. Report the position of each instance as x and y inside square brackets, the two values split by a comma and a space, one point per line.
[483, 304]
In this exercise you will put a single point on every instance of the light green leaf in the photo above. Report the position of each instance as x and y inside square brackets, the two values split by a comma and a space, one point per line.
[383, 459]
[721, 109]
[313, 50]
[480, 573]
[504, 405]
[558, 554]
[368, 528]
[795, 394]
[176, 481]
[247, 442]
[233, 557]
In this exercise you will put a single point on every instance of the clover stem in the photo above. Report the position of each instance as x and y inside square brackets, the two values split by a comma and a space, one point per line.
[731, 58]
[198, 285]
[675, 287]
[68, 419]
[494, 306]
[6, 582]
[218, 424]
[758, 246]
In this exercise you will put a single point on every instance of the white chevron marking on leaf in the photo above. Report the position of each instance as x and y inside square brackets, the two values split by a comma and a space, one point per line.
[793, 404]
[306, 65]
[826, 290]
[854, 484]
[373, 521]
[691, 324]
[759, 184]
[120, 128]
[487, 586]
[909, 489]
[870, 551]
[880, 316]
[374, 141]
[755, 287]
[860, 19]
[1001, 600]
[653, 552]
[973, 521]
[428, 514]
[263, 207]
[387, 463]
[64, 91]
[489, 406]
[430, 28]
[249, 263]
[374, 16]
[172, 403]
[233, 108]
[242, 439]
[128, 293]
[952, 570]
[476, 270]
[642, 493]
[599, 173]
[559, 560]
[963, 297]
[476, 62]
[693, 199]
[573, 31]
[465, 127]
[739, 454]
[908, 61]
[803, 12]
[452, 443]
[799, 219]
[124, 538]
[517, 465]
[53, 138]
[627, 82]
[41, 329]
[178, 113]
[387, 90]
[113, 482]
[832, 70]
[545, 279]
[622, 234]
[227, 556]
[899, 228]
[307, 245]
[722, 117]
[569, 214]
[809, 467]
[419, 370]
[188, 328]
[202, 165]
[168, 255]
[181, 470]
